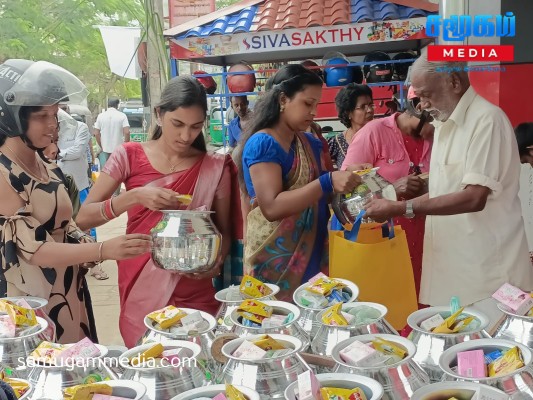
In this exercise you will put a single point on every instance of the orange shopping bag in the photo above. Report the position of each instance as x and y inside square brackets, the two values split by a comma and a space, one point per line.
[376, 258]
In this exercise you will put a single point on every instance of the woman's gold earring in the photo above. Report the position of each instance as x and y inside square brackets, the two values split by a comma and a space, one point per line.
[159, 123]
[281, 108]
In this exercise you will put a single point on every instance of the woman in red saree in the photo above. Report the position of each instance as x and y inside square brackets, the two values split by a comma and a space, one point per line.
[174, 162]
[283, 173]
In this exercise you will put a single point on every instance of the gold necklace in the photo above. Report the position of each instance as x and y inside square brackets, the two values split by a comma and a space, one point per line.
[173, 167]
[29, 170]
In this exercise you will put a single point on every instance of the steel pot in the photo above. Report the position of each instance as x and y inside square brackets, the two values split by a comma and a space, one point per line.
[459, 390]
[430, 346]
[372, 389]
[518, 384]
[13, 351]
[165, 382]
[517, 328]
[399, 380]
[224, 324]
[308, 315]
[328, 336]
[213, 390]
[50, 380]
[291, 328]
[270, 376]
[203, 337]
[186, 241]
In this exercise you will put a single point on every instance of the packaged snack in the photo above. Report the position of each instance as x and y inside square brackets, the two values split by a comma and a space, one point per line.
[192, 321]
[389, 348]
[83, 349]
[253, 288]
[329, 393]
[7, 327]
[268, 343]
[167, 317]
[47, 353]
[324, 286]
[308, 386]
[335, 296]
[86, 392]
[321, 275]
[249, 351]
[274, 321]
[254, 311]
[184, 199]
[333, 316]
[220, 396]
[250, 324]
[452, 325]
[431, 323]
[493, 356]
[471, 364]
[515, 299]
[232, 393]
[20, 388]
[312, 300]
[359, 354]
[22, 317]
[155, 351]
[509, 362]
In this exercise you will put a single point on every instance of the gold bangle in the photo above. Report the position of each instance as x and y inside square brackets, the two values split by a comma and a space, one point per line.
[100, 259]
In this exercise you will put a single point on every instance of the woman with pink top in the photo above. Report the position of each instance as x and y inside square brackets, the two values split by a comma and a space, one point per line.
[400, 145]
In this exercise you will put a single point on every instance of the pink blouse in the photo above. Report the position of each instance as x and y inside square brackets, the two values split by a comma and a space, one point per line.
[380, 143]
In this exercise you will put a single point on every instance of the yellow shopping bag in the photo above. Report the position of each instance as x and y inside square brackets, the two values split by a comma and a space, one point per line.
[380, 266]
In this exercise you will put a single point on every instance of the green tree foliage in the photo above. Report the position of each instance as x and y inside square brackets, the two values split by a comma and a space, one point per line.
[63, 32]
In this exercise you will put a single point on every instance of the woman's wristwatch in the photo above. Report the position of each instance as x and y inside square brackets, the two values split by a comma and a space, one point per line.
[409, 212]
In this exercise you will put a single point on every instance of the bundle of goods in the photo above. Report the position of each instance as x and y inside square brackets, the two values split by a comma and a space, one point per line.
[361, 315]
[61, 355]
[322, 292]
[232, 393]
[379, 352]
[478, 364]
[455, 323]
[12, 389]
[176, 321]
[260, 348]
[256, 314]
[16, 320]
[309, 388]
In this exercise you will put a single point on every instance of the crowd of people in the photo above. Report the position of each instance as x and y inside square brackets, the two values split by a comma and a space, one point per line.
[464, 224]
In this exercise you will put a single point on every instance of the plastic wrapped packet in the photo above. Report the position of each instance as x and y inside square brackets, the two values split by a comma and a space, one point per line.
[452, 324]
[312, 300]
[388, 348]
[254, 310]
[155, 351]
[364, 315]
[330, 393]
[509, 362]
[7, 327]
[232, 393]
[253, 288]
[22, 317]
[86, 392]
[268, 343]
[324, 286]
[167, 317]
[47, 353]
[333, 316]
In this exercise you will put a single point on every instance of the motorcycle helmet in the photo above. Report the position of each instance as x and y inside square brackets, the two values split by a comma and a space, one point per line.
[401, 69]
[241, 83]
[375, 73]
[337, 76]
[25, 83]
[206, 81]
[313, 66]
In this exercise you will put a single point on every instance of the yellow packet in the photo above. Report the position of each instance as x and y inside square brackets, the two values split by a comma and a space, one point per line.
[363, 171]
[86, 392]
[152, 352]
[167, 317]
[4, 304]
[268, 343]
[254, 310]
[47, 352]
[449, 324]
[21, 316]
[184, 199]
[509, 362]
[324, 286]
[254, 288]
[330, 393]
[333, 316]
[388, 348]
[233, 394]
[20, 388]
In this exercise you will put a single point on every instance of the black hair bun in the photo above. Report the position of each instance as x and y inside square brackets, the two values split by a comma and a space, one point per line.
[7, 392]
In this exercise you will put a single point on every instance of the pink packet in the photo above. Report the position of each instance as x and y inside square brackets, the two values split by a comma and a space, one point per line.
[317, 277]
[517, 300]
[220, 396]
[49, 333]
[83, 349]
[7, 327]
[471, 364]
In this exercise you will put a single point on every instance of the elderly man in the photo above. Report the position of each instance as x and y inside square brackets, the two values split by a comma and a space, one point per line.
[475, 239]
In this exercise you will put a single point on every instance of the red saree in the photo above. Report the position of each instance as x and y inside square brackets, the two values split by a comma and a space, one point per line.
[143, 287]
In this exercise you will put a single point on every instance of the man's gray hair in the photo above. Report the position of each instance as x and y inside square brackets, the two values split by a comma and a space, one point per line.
[422, 64]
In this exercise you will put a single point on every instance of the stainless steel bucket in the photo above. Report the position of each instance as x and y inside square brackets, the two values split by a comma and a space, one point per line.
[291, 328]
[399, 380]
[517, 328]
[372, 389]
[430, 346]
[328, 336]
[224, 324]
[165, 382]
[49, 380]
[459, 390]
[308, 315]
[269, 377]
[213, 390]
[203, 337]
[518, 384]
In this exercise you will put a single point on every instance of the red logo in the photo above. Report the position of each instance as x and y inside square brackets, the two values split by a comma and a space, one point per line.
[501, 53]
